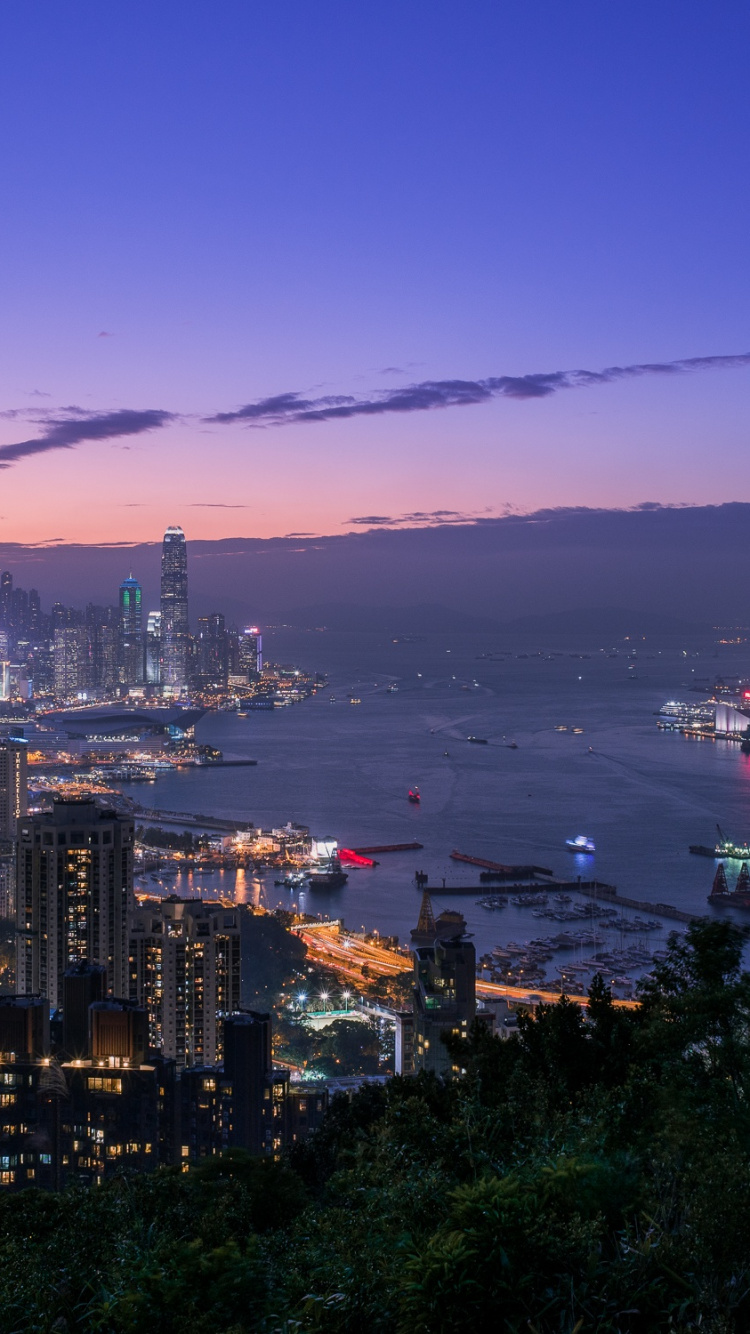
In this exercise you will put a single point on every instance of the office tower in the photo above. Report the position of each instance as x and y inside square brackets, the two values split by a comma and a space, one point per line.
[131, 632]
[108, 658]
[74, 894]
[444, 991]
[153, 648]
[250, 652]
[35, 613]
[73, 660]
[212, 649]
[174, 611]
[6, 598]
[185, 972]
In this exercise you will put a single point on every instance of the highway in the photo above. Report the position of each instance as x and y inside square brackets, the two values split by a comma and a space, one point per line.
[346, 955]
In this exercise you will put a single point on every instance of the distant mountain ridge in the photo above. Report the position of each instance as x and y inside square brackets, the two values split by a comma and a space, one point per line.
[432, 618]
[614, 621]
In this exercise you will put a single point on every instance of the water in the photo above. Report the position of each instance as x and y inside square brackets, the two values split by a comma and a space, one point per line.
[345, 770]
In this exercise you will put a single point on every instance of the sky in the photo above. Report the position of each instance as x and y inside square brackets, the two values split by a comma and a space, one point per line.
[287, 268]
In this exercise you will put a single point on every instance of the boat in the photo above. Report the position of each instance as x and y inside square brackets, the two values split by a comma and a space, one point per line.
[392, 688]
[477, 740]
[414, 796]
[333, 879]
[294, 880]
[580, 844]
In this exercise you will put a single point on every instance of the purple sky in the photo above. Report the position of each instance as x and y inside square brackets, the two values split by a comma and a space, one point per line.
[292, 268]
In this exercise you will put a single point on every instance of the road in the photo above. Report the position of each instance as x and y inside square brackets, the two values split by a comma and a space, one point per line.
[346, 955]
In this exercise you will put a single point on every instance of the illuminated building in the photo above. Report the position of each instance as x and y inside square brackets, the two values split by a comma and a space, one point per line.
[444, 990]
[250, 653]
[153, 648]
[74, 894]
[73, 661]
[185, 972]
[174, 611]
[13, 806]
[131, 632]
[212, 650]
[13, 784]
[246, 1103]
[80, 1118]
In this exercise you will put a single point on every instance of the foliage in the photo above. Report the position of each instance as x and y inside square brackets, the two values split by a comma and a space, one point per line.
[592, 1173]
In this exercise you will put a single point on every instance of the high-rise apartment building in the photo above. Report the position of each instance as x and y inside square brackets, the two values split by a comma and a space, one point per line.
[74, 895]
[13, 784]
[131, 632]
[153, 648]
[185, 972]
[174, 611]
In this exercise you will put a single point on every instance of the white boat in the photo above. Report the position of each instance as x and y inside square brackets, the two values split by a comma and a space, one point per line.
[580, 844]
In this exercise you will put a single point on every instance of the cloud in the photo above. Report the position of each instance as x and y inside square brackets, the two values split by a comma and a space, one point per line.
[105, 334]
[214, 505]
[292, 407]
[78, 427]
[417, 519]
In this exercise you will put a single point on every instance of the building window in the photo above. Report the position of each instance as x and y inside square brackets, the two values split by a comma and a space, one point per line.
[104, 1084]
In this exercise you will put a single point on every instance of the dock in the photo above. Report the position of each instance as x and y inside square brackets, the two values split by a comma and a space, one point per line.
[387, 847]
[608, 894]
[499, 868]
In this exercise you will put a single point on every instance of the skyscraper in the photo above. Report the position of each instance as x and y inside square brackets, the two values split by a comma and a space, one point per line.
[131, 632]
[212, 649]
[73, 661]
[251, 652]
[153, 648]
[74, 894]
[174, 611]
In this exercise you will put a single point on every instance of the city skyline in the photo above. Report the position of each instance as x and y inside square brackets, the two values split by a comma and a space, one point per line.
[355, 267]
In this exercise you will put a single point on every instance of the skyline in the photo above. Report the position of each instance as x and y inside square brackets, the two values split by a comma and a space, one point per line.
[369, 217]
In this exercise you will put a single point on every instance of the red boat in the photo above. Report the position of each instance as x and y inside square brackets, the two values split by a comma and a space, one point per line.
[414, 796]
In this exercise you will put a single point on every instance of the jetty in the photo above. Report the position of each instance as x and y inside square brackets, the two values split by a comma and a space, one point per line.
[499, 869]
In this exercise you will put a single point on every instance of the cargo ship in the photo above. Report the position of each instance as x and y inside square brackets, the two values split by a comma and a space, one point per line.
[724, 847]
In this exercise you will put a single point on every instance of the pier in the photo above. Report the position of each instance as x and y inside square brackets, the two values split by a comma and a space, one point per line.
[500, 870]
[596, 890]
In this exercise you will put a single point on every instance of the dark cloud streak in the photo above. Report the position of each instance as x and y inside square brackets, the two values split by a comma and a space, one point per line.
[69, 431]
[290, 408]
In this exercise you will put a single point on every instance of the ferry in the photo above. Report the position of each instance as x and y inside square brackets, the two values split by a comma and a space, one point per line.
[580, 844]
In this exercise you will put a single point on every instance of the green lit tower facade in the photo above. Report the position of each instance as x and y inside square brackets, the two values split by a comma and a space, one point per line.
[175, 631]
[131, 633]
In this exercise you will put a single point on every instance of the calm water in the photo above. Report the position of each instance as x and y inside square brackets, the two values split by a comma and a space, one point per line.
[345, 770]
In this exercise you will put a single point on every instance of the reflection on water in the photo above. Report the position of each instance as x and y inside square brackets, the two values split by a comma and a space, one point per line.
[642, 795]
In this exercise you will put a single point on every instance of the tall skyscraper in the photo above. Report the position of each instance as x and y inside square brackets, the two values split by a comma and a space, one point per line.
[212, 649]
[74, 894]
[73, 656]
[174, 611]
[251, 652]
[153, 648]
[131, 632]
[185, 972]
